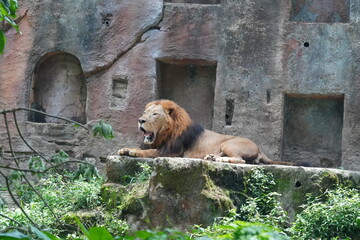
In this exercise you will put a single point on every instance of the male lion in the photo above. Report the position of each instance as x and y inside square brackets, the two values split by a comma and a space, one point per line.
[169, 131]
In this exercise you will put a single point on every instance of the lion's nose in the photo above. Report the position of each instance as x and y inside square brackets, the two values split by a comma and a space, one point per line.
[141, 121]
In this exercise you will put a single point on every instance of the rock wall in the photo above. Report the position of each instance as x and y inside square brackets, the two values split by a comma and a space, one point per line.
[278, 72]
[183, 192]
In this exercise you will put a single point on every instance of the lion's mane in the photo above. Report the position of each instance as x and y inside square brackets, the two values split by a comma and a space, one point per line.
[180, 132]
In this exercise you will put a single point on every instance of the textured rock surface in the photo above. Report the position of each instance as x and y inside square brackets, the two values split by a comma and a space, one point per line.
[259, 57]
[182, 192]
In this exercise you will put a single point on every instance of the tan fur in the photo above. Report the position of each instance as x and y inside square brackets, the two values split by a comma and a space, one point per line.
[167, 121]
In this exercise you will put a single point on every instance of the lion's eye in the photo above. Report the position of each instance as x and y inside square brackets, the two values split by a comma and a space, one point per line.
[154, 114]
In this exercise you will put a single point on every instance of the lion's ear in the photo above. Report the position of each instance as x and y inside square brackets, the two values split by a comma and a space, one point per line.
[171, 112]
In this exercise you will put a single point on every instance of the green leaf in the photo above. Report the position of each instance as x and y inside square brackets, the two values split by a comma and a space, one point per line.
[2, 41]
[99, 233]
[39, 234]
[13, 7]
[59, 157]
[36, 163]
[4, 10]
[82, 227]
[13, 235]
[12, 23]
[15, 175]
[103, 130]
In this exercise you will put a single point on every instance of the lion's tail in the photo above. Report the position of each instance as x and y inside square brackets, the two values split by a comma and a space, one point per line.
[263, 159]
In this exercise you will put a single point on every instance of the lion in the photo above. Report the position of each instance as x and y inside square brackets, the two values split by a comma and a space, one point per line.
[169, 132]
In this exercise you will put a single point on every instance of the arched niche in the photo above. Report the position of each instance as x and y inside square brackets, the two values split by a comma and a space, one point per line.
[58, 88]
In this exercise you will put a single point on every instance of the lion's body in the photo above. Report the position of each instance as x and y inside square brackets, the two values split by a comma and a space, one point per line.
[169, 131]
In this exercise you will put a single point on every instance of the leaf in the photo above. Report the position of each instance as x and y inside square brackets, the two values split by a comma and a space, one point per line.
[103, 130]
[39, 234]
[99, 233]
[2, 41]
[15, 175]
[12, 23]
[82, 227]
[36, 163]
[59, 157]
[13, 235]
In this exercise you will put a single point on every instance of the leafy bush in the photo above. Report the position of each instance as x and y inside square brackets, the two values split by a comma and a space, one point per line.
[262, 203]
[142, 176]
[63, 197]
[336, 217]
[231, 228]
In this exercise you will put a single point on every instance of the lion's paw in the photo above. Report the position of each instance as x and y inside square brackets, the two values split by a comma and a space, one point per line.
[129, 152]
[124, 151]
[210, 157]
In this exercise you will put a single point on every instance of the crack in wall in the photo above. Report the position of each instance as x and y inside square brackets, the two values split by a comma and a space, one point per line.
[138, 40]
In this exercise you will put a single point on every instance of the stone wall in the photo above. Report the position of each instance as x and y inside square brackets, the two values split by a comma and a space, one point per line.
[282, 73]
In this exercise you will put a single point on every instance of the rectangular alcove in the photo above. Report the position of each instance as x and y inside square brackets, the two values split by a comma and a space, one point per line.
[191, 84]
[119, 91]
[312, 131]
[323, 11]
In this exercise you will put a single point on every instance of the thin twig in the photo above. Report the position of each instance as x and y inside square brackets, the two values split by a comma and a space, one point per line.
[44, 171]
[27, 144]
[8, 133]
[11, 219]
[26, 179]
[46, 114]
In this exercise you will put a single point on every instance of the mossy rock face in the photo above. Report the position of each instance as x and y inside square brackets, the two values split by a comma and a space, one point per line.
[182, 192]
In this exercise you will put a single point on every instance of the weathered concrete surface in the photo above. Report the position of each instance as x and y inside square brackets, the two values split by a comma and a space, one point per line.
[183, 192]
[258, 55]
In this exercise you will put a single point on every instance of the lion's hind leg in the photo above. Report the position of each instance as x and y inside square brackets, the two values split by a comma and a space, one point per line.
[221, 158]
[235, 150]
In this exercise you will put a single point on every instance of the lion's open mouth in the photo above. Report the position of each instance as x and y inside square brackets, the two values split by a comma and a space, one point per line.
[149, 137]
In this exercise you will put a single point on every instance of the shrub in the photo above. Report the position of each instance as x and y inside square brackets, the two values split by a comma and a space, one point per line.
[336, 217]
[63, 197]
[262, 203]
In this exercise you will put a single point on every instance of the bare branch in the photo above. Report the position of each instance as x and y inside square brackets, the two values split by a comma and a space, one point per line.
[15, 201]
[8, 134]
[46, 114]
[44, 171]
[11, 219]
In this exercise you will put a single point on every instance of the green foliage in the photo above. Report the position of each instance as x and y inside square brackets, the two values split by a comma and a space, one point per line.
[13, 235]
[141, 176]
[2, 41]
[7, 13]
[167, 234]
[37, 164]
[240, 230]
[103, 130]
[62, 196]
[231, 228]
[59, 157]
[336, 217]
[262, 203]
[87, 171]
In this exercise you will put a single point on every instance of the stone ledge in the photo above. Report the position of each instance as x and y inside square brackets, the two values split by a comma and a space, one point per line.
[182, 192]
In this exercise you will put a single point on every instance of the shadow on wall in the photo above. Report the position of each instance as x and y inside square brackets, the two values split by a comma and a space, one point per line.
[183, 80]
[58, 88]
[313, 129]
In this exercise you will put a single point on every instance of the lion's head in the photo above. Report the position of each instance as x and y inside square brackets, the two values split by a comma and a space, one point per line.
[163, 120]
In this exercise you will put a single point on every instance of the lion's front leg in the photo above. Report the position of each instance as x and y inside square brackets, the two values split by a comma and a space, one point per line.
[136, 152]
